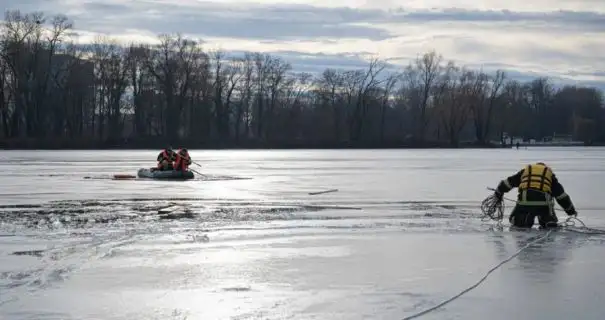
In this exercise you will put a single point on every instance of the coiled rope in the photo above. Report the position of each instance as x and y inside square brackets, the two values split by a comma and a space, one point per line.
[493, 208]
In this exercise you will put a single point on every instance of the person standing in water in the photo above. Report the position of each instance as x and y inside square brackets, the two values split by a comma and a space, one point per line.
[537, 185]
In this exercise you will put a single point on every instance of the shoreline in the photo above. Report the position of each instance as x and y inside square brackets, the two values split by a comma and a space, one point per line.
[153, 144]
[158, 144]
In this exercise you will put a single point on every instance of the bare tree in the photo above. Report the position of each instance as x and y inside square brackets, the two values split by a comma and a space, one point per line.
[112, 70]
[141, 84]
[175, 92]
[428, 70]
[276, 79]
[486, 91]
[365, 83]
[332, 90]
[454, 103]
[390, 84]
[173, 63]
[245, 88]
[29, 51]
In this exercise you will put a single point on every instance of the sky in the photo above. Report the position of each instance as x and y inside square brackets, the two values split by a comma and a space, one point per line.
[561, 39]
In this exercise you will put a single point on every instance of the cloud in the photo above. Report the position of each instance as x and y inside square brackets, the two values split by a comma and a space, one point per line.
[317, 63]
[287, 21]
[560, 18]
[564, 40]
[208, 19]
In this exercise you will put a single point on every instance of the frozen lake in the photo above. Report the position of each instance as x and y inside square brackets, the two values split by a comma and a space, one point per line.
[402, 234]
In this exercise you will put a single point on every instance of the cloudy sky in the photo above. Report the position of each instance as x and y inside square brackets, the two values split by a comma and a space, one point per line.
[563, 39]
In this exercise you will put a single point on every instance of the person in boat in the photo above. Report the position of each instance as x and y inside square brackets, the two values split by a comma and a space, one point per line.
[537, 185]
[183, 160]
[165, 159]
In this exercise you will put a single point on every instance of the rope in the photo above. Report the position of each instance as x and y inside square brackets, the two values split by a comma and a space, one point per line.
[482, 279]
[493, 208]
[570, 224]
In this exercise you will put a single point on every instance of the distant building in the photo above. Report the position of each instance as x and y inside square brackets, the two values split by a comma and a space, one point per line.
[561, 138]
[554, 140]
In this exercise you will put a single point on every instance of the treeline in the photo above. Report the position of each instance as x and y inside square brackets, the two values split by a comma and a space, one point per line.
[176, 93]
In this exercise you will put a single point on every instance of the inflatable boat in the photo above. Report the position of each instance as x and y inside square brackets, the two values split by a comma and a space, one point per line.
[152, 173]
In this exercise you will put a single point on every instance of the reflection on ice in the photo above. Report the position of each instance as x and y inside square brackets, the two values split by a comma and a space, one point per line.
[400, 235]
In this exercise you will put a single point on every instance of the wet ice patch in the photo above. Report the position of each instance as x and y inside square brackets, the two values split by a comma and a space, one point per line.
[237, 289]
[271, 218]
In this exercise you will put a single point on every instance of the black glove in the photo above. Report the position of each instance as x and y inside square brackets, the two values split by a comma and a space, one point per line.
[572, 212]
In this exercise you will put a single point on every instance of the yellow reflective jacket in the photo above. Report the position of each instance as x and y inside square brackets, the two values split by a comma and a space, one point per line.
[536, 177]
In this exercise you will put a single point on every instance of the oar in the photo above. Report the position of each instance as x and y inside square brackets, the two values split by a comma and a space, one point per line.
[196, 172]
[114, 177]
[322, 192]
[199, 165]
[123, 177]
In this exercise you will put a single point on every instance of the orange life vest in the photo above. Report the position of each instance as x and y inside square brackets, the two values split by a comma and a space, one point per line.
[182, 161]
[164, 156]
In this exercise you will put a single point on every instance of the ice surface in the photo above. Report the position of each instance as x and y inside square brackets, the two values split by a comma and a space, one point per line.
[402, 234]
